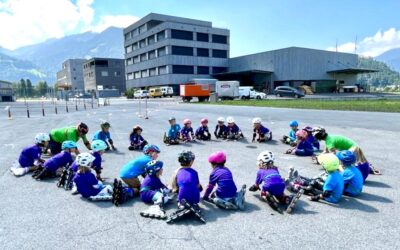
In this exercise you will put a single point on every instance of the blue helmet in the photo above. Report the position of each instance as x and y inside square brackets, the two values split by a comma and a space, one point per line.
[293, 124]
[98, 145]
[153, 167]
[68, 145]
[347, 157]
[151, 148]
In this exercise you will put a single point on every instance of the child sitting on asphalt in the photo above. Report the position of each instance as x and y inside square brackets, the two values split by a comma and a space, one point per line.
[220, 129]
[136, 139]
[261, 133]
[187, 133]
[291, 137]
[233, 131]
[173, 133]
[273, 189]
[311, 139]
[104, 135]
[225, 196]
[29, 159]
[186, 183]
[352, 177]
[303, 147]
[202, 132]
[60, 160]
[86, 183]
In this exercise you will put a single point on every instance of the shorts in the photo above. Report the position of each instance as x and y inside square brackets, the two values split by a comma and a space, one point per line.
[132, 182]
[276, 189]
[55, 147]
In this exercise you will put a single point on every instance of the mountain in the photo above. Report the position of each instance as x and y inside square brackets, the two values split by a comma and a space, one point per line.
[13, 69]
[392, 58]
[385, 76]
[49, 55]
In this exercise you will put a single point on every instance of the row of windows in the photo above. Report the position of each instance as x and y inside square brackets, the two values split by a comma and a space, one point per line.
[146, 41]
[102, 73]
[136, 32]
[147, 56]
[146, 73]
[176, 69]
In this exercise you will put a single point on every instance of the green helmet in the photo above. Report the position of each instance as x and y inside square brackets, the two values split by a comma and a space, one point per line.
[98, 145]
[329, 162]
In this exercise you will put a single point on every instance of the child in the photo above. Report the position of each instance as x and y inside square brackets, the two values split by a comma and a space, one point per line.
[303, 147]
[173, 132]
[260, 132]
[353, 179]
[29, 158]
[187, 134]
[220, 129]
[186, 184]
[202, 132]
[154, 191]
[274, 186]
[233, 132]
[311, 139]
[291, 138]
[86, 183]
[105, 135]
[225, 195]
[136, 138]
[60, 160]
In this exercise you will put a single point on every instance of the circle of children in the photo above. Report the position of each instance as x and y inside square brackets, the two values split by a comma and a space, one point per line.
[345, 165]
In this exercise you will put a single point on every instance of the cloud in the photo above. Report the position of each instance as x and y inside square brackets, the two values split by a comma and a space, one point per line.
[373, 46]
[121, 21]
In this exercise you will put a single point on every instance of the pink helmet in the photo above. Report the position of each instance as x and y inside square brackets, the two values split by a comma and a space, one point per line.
[204, 120]
[187, 121]
[218, 157]
[301, 134]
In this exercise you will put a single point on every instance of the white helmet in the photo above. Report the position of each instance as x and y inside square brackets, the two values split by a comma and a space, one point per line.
[42, 137]
[84, 159]
[230, 119]
[221, 119]
[257, 120]
[266, 157]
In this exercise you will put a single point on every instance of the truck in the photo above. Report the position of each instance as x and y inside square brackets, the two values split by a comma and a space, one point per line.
[201, 91]
[227, 90]
[210, 81]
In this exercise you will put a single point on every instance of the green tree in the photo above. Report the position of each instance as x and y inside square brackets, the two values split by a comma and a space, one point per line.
[23, 88]
[29, 88]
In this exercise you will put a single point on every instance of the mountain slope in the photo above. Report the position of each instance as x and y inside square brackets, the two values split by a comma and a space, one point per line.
[392, 58]
[385, 76]
[13, 69]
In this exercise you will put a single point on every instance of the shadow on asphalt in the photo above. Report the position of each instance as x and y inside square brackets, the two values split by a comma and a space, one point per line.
[377, 184]
[353, 204]
[374, 197]
[101, 204]
[300, 207]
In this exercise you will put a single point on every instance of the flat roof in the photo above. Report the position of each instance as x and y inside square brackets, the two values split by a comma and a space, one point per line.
[352, 71]
[244, 72]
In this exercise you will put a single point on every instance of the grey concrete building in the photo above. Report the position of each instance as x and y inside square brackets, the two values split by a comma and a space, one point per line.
[168, 50]
[71, 75]
[6, 92]
[104, 73]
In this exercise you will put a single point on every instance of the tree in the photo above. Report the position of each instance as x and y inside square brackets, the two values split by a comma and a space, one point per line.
[23, 88]
[29, 88]
[41, 88]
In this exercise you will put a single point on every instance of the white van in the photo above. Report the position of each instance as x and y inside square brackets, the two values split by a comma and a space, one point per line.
[167, 91]
[250, 93]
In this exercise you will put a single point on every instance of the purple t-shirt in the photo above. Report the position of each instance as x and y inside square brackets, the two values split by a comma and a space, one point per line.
[136, 139]
[201, 130]
[304, 148]
[185, 131]
[273, 181]
[364, 169]
[58, 161]
[222, 177]
[188, 182]
[220, 130]
[232, 130]
[84, 184]
[261, 130]
[150, 185]
[28, 155]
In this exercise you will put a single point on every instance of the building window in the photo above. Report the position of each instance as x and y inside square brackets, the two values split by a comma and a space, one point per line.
[135, 46]
[181, 50]
[203, 70]
[203, 52]
[128, 49]
[151, 40]
[152, 72]
[135, 32]
[181, 34]
[73, 69]
[162, 51]
[101, 63]
[137, 74]
[143, 57]
[136, 59]
[129, 61]
[117, 73]
[142, 43]
[152, 54]
[74, 78]
[161, 35]
[142, 29]
[219, 39]
[202, 37]
[128, 36]
[162, 70]
[217, 70]
[144, 73]
[130, 76]
[104, 73]
[182, 69]
[219, 53]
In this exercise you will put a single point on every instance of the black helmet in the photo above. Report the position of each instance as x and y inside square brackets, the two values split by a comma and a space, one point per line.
[186, 157]
[319, 133]
[136, 128]
[83, 128]
[105, 125]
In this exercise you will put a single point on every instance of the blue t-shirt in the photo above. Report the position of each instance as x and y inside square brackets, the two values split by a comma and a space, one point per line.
[59, 160]
[222, 177]
[84, 184]
[29, 155]
[100, 135]
[173, 131]
[136, 139]
[292, 135]
[135, 168]
[304, 148]
[334, 182]
[353, 181]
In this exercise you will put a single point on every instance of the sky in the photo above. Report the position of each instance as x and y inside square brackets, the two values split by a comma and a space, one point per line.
[255, 25]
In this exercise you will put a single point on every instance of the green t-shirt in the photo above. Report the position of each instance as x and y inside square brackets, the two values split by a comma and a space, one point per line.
[339, 142]
[66, 134]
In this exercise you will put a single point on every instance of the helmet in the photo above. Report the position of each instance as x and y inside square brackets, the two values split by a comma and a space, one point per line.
[42, 137]
[301, 134]
[347, 157]
[105, 125]
[329, 162]
[319, 133]
[204, 120]
[151, 148]
[230, 119]
[85, 159]
[98, 145]
[83, 128]
[68, 145]
[221, 119]
[171, 119]
[293, 123]
[266, 157]
[153, 167]
[136, 128]
[185, 157]
[308, 129]
[187, 121]
[257, 120]
[218, 157]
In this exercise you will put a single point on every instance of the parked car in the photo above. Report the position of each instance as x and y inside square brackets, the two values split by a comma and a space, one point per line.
[155, 92]
[258, 95]
[250, 93]
[141, 94]
[288, 91]
[167, 91]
